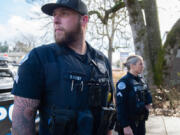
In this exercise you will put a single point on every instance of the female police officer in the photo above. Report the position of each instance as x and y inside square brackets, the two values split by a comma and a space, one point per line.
[133, 99]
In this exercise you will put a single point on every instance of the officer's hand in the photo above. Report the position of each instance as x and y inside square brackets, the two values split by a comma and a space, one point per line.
[128, 131]
[110, 132]
[148, 106]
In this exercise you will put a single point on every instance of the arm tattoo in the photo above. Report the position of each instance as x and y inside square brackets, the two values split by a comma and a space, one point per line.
[23, 117]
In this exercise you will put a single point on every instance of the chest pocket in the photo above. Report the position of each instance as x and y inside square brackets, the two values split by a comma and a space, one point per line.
[51, 76]
[140, 90]
[75, 81]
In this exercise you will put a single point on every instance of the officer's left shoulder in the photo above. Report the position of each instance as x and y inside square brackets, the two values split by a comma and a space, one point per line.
[97, 53]
[101, 55]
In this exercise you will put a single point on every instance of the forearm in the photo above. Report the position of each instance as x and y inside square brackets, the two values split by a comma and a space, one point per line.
[22, 125]
[23, 117]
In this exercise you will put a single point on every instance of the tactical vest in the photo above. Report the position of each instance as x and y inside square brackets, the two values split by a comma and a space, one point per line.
[71, 83]
[140, 88]
[137, 99]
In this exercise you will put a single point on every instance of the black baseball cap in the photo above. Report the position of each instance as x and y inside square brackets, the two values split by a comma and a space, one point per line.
[76, 5]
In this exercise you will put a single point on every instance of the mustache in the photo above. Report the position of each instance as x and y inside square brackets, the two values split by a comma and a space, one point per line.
[58, 28]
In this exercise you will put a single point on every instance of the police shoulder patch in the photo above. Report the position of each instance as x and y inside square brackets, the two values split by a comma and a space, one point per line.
[121, 85]
[24, 59]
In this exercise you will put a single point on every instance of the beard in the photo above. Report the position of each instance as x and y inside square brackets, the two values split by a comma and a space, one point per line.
[69, 37]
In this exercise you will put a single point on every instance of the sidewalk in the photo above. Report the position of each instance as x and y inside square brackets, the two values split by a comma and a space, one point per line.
[162, 125]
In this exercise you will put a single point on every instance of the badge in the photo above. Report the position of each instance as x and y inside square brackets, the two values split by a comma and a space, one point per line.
[101, 67]
[121, 85]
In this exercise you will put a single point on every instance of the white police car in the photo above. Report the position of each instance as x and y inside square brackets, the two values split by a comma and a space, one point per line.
[7, 73]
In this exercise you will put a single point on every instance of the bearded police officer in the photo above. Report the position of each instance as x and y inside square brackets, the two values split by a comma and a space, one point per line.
[67, 81]
[133, 99]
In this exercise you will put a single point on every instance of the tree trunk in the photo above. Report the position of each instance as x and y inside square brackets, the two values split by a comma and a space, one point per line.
[110, 35]
[154, 38]
[171, 48]
[139, 35]
[110, 50]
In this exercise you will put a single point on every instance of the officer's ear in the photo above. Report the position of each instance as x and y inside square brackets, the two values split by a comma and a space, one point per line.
[84, 20]
[131, 66]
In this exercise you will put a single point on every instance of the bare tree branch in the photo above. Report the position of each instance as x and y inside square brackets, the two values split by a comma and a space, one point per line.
[104, 19]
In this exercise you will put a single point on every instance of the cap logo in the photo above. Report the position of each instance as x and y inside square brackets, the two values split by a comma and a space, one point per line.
[64, 1]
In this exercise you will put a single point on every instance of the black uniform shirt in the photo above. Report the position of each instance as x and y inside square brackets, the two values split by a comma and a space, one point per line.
[126, 99]
[56, 75]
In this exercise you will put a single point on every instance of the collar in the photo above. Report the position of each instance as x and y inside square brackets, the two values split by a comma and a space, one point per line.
[62, 49]
[137, 78]
[59, 49]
